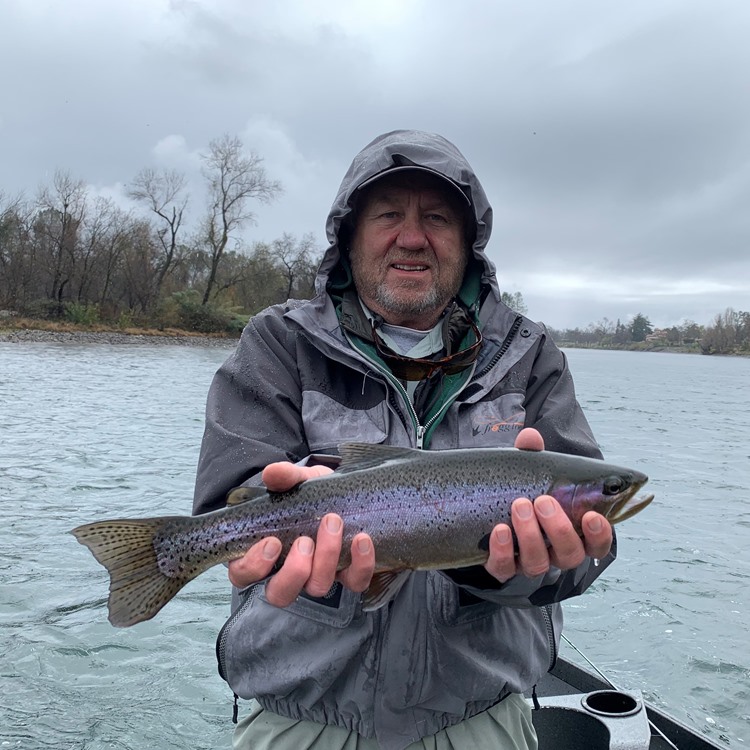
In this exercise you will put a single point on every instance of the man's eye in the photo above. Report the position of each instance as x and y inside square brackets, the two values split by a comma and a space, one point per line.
[438, 218]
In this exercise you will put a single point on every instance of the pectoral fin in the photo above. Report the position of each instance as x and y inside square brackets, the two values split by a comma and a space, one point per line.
[383, 588]
[240, 495]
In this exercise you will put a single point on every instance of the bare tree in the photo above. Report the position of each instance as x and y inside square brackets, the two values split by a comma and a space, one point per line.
[163, 193]
[117, 233]
[261, 284]
[296, 259]
[61, 211]
[515, 302]
[135, 268]
[16, 251]
[234, 179]
[727, 334]
[91, 237]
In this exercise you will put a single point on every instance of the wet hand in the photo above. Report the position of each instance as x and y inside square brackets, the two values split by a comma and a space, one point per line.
[532, 522]
[309, 565]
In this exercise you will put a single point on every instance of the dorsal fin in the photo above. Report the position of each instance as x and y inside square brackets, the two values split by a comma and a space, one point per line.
[240, 495]
[357, 456]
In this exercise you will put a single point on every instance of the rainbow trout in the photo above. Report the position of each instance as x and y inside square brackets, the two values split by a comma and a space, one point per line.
[423, 509]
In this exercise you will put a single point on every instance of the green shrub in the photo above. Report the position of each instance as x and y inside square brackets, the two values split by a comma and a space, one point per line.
[185, 310]
[125, 319]
[237, 323]
[81, 314]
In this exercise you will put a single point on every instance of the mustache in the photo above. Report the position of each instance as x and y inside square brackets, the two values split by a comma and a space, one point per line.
[421, 257]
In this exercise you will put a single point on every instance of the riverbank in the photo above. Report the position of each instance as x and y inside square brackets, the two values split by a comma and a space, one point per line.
[22, 331]
[637, 347]
[655, 347]
[27, 330]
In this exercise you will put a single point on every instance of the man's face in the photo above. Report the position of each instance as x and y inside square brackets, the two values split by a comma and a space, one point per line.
[408, 252]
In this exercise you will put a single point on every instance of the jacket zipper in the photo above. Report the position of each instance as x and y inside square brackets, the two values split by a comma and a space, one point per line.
[441, 411]
[221, 642]
[420, 429]
[549, 626]
[503, 347]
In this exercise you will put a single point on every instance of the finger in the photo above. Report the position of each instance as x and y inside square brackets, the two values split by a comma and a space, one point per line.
[327, 554]
[256, 563]
[529, 439]
[501, 563]
[285, 586]
[597, 534]
[282, 475]
[566, 549]
[533, 558]
[357, 576]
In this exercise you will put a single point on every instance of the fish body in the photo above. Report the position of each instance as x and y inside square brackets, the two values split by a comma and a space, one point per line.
[423, 509]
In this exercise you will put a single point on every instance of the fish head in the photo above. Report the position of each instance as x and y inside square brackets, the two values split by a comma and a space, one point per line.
[611, 492]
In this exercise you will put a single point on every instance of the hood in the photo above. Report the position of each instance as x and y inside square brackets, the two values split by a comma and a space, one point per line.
[401, 148]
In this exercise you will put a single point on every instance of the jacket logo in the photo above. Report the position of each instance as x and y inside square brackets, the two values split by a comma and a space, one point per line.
[511, 424]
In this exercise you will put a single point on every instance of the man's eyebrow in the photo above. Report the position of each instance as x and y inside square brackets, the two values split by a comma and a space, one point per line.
[437, 201]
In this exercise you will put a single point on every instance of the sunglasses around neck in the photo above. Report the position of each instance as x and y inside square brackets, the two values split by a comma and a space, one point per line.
[421, 368]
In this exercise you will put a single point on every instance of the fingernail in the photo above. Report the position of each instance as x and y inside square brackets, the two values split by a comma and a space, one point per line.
[502, 535]
[594, 525]
[363, 546]
[524, 510]
[545, 506]
[271, 549]
[305, 545]
[333, 524]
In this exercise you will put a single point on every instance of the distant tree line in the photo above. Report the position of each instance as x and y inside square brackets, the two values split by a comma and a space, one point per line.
[66, 254]
[728, 333]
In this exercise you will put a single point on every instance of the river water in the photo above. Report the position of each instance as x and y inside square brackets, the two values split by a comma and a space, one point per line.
[96, 431]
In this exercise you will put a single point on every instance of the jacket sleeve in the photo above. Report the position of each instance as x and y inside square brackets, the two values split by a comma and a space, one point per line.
[252, 411]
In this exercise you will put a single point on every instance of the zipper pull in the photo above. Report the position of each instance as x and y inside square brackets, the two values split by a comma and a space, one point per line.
[420, 436]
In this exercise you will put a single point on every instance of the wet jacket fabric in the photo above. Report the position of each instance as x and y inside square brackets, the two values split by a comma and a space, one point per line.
[302, 381]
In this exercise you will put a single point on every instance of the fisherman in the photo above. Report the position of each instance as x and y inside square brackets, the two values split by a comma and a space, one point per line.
[406, 343]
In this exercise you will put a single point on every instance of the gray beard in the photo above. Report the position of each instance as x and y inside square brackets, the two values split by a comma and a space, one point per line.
[389, 301]
[435, 300]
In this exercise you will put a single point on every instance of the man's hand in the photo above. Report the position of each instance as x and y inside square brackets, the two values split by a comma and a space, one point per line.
[532, 521]
[309, 565]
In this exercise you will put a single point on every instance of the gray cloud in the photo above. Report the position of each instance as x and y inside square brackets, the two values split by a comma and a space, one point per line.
[613, 140]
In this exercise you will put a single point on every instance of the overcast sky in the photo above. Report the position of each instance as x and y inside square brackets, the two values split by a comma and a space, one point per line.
[613, 138]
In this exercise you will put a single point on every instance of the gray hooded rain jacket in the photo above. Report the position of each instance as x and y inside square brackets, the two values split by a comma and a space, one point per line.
[302, 381]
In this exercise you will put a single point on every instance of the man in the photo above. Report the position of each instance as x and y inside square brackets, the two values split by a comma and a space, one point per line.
[406, 343]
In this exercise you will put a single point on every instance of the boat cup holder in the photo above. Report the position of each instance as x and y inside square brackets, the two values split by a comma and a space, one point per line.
[600, 720]
[611, 703]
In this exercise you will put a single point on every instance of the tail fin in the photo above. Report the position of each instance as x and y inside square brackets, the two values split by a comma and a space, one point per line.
[137, 588]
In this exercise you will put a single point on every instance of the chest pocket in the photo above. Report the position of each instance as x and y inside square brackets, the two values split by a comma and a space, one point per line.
[328, 422]
[491, 423]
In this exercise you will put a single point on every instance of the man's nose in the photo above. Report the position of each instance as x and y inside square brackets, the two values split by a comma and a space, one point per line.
[412, 234]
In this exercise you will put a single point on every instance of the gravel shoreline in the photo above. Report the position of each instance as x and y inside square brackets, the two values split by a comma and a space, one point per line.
[114, 338]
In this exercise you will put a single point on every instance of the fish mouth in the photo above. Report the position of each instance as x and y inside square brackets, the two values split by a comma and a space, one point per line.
[626, 507]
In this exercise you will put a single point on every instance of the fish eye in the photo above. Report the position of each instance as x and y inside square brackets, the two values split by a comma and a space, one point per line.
[614, 485]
